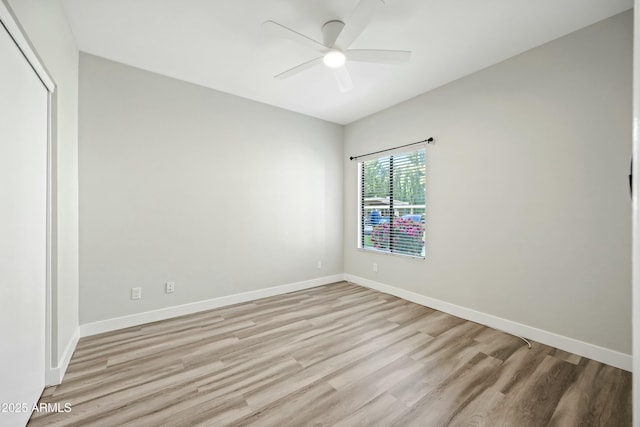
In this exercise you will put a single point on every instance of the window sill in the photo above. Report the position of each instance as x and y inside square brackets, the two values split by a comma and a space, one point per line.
[375, 251]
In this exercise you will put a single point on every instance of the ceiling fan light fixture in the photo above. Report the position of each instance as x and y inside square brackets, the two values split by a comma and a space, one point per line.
[334, 58]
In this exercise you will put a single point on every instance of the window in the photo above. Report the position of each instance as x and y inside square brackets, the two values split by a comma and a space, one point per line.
[392, 204]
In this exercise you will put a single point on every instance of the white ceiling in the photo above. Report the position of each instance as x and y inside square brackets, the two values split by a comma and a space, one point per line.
[220, 43]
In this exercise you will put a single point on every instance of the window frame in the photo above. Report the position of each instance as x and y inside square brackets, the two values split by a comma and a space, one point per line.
[361, 216]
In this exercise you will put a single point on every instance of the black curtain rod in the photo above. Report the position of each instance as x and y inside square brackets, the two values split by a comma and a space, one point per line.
[428, 141]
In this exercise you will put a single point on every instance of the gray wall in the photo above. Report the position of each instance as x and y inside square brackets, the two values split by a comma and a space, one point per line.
[528, 208]
[46, 26]
[219, 194]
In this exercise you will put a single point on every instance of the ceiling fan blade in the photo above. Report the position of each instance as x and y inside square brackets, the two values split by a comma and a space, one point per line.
[299, 68]
[280, 30]
[357, 22]
[343, 78]
[379, 56]
[331, 30]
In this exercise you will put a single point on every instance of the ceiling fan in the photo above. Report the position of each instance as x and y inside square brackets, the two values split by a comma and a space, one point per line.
[337, 37]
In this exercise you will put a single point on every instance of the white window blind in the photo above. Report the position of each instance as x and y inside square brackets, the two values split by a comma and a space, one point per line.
[392, 204]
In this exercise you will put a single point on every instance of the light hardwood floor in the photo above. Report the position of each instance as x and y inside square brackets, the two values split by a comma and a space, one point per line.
[338, 355]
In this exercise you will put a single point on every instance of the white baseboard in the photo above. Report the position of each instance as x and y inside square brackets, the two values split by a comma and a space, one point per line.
[55, 374]
[591, 351]
[180, 310]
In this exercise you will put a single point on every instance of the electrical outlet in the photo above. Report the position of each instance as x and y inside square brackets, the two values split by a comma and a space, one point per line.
[319, 264]
[375, 267]
[136, 293]
[169, 287]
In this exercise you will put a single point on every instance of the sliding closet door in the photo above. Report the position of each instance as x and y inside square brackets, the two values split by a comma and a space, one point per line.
[23, 233]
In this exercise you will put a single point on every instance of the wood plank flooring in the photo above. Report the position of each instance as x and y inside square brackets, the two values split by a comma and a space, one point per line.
[336, 355]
